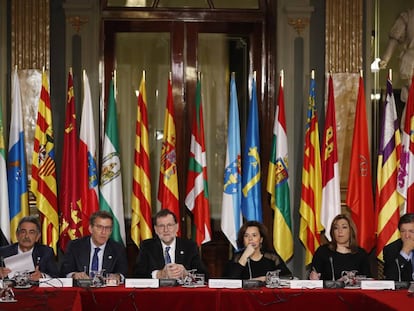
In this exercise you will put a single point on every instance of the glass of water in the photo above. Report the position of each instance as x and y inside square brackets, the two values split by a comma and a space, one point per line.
[273, 279]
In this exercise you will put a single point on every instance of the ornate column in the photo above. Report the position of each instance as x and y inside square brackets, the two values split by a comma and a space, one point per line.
[344, 59]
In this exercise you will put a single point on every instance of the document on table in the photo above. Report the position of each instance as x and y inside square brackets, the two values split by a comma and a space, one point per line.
[20, 262]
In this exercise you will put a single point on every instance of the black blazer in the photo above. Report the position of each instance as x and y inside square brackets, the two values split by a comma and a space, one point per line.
[77, 257]
[391, 254]
[151, 257]
[42, 255]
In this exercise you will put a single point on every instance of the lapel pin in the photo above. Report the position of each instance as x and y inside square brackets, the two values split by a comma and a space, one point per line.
[109, 257]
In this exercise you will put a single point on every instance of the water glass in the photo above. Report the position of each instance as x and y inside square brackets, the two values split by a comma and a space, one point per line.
[273, 279]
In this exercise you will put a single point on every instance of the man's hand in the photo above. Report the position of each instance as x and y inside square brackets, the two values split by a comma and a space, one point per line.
[4, 272]
[80, 275]
[408, 245]
[36, 275]
[175, 271]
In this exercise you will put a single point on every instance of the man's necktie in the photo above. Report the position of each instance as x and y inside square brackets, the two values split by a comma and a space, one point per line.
[95, 260]
[167, 255]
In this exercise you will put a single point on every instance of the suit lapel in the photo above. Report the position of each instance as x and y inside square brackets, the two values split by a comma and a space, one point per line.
[108, 257]
[179, 251]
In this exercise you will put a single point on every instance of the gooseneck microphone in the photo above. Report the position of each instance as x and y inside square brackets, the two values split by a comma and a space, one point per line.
[250, 268]
[399, 269]
[332, 268]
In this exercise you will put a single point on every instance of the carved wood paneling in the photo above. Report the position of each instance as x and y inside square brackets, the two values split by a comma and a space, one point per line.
[30, 34]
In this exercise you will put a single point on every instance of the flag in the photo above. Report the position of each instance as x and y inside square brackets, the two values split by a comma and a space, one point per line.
[278, 182]
[4, 198]
[388, 199]
[141, 224]
[17, 169]
[69, 192]
[231, 217]
[43, 183]
[331, 196]
[88, 175]
[251, 178]
[359, 197]
[311, 196]
[197, 189]
[405, 184]
[110, 195]
[168, 181]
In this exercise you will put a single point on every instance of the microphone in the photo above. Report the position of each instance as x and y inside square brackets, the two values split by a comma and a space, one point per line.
[332, 268]
[333, 283]
[250, 268]
[400, 284]
[399, 269]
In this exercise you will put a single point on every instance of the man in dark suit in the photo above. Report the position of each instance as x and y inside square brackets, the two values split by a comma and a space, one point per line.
[167, 256]
[96, 252]
[28, 235]
[399, 255]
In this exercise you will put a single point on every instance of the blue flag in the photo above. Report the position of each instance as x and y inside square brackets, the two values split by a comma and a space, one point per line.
[17, 169]
[251, 199]
[231, 217]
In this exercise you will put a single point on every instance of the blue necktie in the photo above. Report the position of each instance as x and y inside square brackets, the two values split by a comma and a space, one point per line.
[167, 255]
[95, 260]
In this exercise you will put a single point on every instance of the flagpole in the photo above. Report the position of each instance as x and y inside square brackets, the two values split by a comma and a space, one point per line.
[282, 78]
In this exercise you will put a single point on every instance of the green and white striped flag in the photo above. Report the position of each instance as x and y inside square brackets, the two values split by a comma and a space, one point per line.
[110, 194]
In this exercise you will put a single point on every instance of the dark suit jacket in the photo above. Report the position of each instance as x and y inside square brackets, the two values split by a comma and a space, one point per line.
[77, 257]
[151, 257]
[391, 254]
[42, 255]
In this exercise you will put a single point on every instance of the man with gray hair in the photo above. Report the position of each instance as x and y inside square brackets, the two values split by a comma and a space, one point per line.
[28, 235]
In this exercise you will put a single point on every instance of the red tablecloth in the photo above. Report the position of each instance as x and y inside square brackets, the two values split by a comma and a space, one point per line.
[51, 299]
[207, 299]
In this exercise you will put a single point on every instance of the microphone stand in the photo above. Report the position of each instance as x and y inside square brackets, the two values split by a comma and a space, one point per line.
[400, 284]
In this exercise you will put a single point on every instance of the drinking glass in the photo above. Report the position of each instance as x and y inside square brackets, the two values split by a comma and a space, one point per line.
[272, 279]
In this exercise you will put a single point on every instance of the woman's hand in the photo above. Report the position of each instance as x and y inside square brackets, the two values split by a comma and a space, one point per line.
[314, 275]
[249, 250]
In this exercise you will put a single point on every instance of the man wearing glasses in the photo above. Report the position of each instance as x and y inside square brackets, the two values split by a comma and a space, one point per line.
[28, 235]
[167, 256]
[96, 252]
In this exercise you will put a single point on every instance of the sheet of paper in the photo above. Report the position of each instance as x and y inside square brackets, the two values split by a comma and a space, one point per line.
[19, 263]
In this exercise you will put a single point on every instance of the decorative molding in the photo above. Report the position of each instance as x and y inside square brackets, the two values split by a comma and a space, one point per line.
[77, 22]
[299, 24]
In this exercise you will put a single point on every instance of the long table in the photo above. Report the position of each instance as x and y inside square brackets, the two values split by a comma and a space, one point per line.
[207, 299]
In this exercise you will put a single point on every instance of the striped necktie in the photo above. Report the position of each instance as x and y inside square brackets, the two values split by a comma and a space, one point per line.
[167, 257]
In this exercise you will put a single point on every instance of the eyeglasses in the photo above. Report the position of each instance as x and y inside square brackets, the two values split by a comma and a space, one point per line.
[25, 232]
[168, 226]
[103, 228]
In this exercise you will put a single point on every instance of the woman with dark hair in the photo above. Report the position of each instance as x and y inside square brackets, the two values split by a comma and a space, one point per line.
[254, 258]
[342, 253]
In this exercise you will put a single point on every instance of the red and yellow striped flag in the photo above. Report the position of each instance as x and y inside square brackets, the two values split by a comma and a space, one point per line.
[311, 198]
[43, 183]
[141, 224]
[168, 181]
[388, 199]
